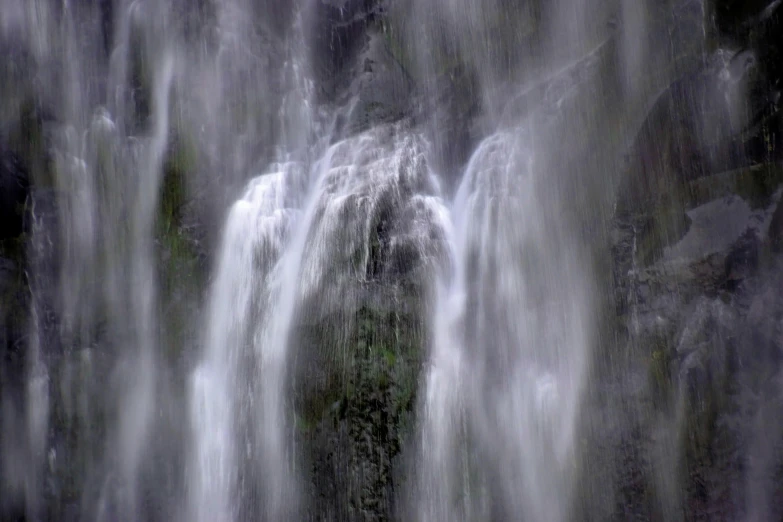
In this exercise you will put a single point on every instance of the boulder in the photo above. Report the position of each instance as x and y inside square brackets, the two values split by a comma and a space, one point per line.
[358, 341]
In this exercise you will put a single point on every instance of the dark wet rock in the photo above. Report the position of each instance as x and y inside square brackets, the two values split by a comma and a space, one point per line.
[14, 187]
[756, 26]
[701, 345]
[775, 232]
[42, 254]
[373, 231]
[743, 259]
[13, 314]
[381, 88]
[7, 270]
[696, 218]
[361, 70]
[338, 31]
[693, 129]
[14, 291]
[181, 248]
[451, 122]
[355, 406]
[702, 316]
[358, 342]
[28, 137]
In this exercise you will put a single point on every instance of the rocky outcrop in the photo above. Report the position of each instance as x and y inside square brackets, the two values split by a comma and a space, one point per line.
[338, 32]
[690, 305]
[696, 260]
[359, 341]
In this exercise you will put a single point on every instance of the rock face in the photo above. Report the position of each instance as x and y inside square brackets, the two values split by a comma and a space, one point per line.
[14, 186]
[713, 372]
[695, 256]
[710, 359]
[357, 422]
[14, 194]
[14, 307]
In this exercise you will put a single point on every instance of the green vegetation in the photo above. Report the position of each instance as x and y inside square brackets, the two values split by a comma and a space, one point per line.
[28, 140]
[181, 269]
[665, 210]
[660, 372]
[368, 369]
[376, 362]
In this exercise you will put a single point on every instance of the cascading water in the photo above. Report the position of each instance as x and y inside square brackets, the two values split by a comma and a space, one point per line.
[240, 462]
[240, 385]
[224, 388]
[98, 233]
[510, 351]
[108, 184]
[360, 260]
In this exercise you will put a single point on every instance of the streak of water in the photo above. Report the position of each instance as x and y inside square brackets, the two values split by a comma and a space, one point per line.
[256, 233]
[510, 349]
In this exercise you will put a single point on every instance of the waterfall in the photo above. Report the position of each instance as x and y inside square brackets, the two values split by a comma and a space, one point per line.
[433, 260]
[245, 347]
[277, 261]
[107, 182]
[510, 349]
[134, 87]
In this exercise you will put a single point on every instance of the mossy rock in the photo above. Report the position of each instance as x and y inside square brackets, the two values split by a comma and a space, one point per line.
[756, 185]
[660, 372]
[28, 140]
[374, 348]
[180, 162]
[663, 213]
[357, 419]
[182, 271]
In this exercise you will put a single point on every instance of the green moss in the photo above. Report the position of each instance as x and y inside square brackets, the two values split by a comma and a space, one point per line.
[181, 271]
[667, 221]
[28, 140]
[390, 357]
[660, 373]
[364, 407]
[179, 162]
[303, 423]
[756, 186]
